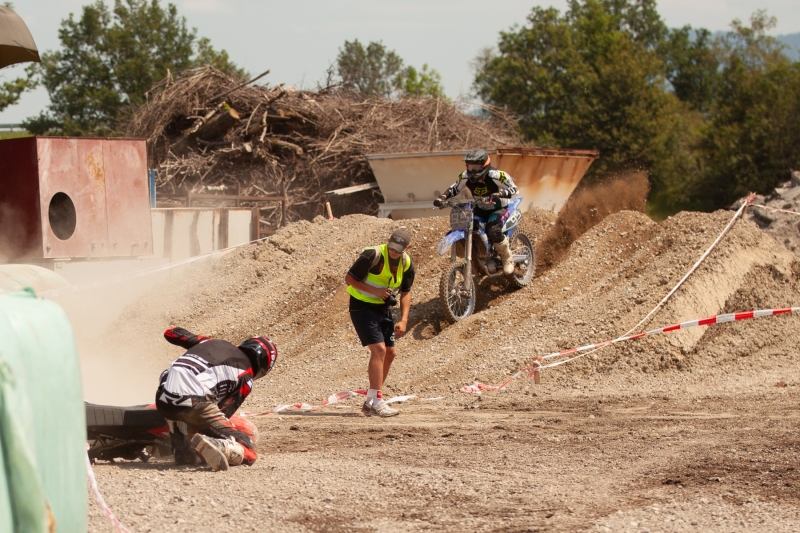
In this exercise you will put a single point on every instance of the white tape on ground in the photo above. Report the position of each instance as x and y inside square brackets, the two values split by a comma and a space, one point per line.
[335, 398]
[100, 500]
[775, 209]
[537, 365]
[476, 388]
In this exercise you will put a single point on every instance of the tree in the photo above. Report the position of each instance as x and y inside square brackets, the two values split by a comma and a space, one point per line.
[10, 91]
[374, 70]
[371, 70]
[591, 78]
[413, 83]
[752, 139]
[108, 61]
[692, 65]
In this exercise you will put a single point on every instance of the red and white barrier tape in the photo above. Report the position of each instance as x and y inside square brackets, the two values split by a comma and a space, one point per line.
[137, 274]
[691, 271]
[332, 399]
[775, 209]
[531, 369]
[697, 263]
[100, 501]
[537, 365]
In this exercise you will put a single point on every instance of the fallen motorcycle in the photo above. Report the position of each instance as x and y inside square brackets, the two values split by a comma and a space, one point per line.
[472, 256]
[136, 432]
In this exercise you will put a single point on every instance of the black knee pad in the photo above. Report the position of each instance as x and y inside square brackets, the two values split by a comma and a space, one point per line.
[495, 233]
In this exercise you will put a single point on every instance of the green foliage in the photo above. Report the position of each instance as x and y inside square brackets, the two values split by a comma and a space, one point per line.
[108, 61]
[369, 70]
[692, 66]
[710, 120]
[413, 83]
[589, 79]
[13, 134]
[752, 139]
[374, 70]
[10, 91]
[207, 55]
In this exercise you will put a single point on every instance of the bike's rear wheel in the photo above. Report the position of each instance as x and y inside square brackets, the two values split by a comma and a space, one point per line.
[457, 301]
[521, 244]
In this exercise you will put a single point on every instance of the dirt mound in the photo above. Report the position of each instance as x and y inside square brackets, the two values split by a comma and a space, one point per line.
[205, 135]
[782, 226]
[664, 432]
[291, 288]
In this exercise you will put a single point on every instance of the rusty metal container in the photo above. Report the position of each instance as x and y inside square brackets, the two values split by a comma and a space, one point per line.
[410, 182]
[180, 233]
[74, 198]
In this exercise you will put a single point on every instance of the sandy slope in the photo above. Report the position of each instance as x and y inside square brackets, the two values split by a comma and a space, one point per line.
[683, 431]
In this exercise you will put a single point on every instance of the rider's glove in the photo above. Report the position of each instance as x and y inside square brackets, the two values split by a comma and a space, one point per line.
[438, 202]
[183, 337]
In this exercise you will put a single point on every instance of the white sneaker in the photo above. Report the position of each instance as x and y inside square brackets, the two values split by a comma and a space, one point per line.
[212, 450]
[382, 409]
[366, 408]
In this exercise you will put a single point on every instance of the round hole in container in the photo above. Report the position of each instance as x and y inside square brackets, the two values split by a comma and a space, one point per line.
[62, 216]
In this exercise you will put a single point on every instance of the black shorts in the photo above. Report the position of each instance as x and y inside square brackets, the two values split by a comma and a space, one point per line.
[373, 326]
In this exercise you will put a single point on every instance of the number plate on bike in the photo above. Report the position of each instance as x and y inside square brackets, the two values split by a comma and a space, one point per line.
[460, 217]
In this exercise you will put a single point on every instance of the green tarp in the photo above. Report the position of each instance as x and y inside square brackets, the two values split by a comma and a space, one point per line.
[42, 419]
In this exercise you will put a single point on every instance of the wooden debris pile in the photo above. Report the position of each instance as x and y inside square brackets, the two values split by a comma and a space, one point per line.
[207, 133]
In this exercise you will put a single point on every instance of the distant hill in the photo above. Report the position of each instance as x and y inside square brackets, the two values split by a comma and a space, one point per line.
[792, 40]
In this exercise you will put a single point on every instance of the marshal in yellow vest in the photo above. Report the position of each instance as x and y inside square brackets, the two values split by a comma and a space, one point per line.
[384, 279]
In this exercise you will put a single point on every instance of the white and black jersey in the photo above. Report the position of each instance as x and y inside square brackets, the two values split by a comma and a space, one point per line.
[495, 181]
[212, 369]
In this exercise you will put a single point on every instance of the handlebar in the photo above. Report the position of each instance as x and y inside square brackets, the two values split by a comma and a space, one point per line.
[455, 202]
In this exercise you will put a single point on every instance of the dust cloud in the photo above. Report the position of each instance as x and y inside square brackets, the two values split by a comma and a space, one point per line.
[588, 207]
[116, 369]
[115, 372]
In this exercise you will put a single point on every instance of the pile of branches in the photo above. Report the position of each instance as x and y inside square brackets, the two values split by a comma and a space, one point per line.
[207, 132]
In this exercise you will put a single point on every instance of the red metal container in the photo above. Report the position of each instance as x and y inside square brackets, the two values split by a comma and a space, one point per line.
[74, 198]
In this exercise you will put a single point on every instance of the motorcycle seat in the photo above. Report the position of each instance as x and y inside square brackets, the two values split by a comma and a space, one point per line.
[136, 415]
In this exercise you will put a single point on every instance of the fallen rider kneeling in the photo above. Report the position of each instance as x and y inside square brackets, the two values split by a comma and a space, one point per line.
[203, 388]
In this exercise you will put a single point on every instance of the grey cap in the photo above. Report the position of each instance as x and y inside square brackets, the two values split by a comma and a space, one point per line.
[399, 240]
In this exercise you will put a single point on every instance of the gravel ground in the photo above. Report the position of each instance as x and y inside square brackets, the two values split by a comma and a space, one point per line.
[783, 227]
[689, 431]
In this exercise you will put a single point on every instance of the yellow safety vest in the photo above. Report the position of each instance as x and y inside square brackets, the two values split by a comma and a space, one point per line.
[384, 279]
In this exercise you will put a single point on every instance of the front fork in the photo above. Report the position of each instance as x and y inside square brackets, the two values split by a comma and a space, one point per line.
[468, 258]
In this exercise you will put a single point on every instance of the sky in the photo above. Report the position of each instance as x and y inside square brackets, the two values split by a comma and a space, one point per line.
[297, 40]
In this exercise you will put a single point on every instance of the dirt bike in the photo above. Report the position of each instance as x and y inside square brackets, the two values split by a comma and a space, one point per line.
[472, 254]
[136, 432]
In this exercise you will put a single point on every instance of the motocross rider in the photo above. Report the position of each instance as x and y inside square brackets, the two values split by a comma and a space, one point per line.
[203, 388]
[485, 181]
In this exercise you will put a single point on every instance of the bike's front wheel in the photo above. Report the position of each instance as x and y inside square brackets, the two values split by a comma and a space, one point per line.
[457, 301]
[524, 260]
